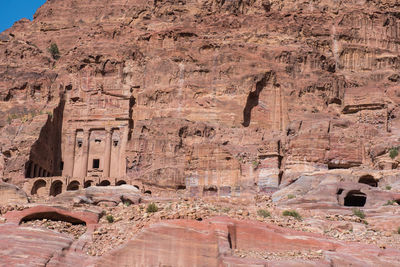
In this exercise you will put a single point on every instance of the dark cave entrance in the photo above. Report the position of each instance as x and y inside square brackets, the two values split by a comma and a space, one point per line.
[355, 198]
[369, 180]
[56, 188]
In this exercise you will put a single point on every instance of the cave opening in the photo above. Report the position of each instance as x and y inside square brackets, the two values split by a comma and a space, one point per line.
[369, 180]
[355, 198]
[73, 186]
[53, 216]
[87, 184]
[56, 188]
[38, 187]
[104, 183]
[121, 182]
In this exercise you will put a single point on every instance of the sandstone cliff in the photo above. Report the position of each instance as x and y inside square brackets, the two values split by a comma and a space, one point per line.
[205, 93]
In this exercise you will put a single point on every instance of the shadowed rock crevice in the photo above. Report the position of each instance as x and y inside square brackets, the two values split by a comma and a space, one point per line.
[253, 98]
[45, 154]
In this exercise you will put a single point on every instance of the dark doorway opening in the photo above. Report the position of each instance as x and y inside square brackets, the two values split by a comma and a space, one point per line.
[73, 186]
[120, 183]
[105, 183]
[88, 184]
[38, 186]
[355, 198]
[96, 163]
[56, 188]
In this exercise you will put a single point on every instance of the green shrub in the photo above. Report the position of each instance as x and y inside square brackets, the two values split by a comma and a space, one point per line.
[388, 187]
[226, 210]
[398, 230]
[291, 196]
[393, 152]
[359, 213]
[389, 203]
[152, 207]
[53, 49]
[292, 213]
[110, 218]
[255, 164]
[127, 203]
[263, 213]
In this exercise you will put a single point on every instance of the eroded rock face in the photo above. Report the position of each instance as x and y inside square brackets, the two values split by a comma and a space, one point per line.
[227, 242]
[200, 93]
[19, 247]
[96, 195]
[11, 194]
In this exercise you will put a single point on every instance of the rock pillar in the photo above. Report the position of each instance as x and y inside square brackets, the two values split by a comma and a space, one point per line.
[69, 154]
[107, 155]
[86, 142]
[32, 170]
[36, 170]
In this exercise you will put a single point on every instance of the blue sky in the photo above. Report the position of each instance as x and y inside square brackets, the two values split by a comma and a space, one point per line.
[14, 10]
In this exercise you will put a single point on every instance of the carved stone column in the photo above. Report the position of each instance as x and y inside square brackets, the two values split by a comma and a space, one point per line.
[36, 170]
[86, 142]
[32, 170]
[107, 155]
[69, 154]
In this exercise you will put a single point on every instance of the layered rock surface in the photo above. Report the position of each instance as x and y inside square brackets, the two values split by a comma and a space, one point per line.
[218, 99]
[215, 242]
[227, 93]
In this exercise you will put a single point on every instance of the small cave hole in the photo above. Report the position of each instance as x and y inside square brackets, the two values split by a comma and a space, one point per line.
[210, 189]
[355, 198]
[88, 184]
[73, 186]
[369, 180]
[104, 183]
[56, 188]
[119, 183]
[339, 191]
[147, 192]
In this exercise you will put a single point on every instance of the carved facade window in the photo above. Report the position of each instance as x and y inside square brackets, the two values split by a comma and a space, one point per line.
[96, 163]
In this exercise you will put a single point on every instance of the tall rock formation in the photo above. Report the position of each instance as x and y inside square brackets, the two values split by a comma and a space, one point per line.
[208, 94]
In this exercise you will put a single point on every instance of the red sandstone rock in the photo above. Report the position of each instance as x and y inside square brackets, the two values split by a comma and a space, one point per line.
[214, 93]
[11, 194]
[219, 99]
[26, 246]
[212, 243]
[99, 194]
[49, 212]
